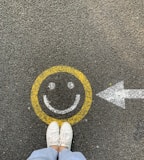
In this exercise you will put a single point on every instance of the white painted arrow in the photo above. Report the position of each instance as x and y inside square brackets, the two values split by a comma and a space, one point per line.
[116, 94]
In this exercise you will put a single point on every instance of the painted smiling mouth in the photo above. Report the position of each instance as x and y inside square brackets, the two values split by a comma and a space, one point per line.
[70, 109]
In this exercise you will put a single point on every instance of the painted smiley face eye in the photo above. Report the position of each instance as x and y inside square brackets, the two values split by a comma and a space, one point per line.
[51, 86]
[70, 85]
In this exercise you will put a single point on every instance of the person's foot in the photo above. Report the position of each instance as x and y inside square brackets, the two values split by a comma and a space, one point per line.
[66, 135]
[52, 135]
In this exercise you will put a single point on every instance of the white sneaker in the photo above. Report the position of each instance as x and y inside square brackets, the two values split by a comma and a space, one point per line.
[66, 135]
[52, 134]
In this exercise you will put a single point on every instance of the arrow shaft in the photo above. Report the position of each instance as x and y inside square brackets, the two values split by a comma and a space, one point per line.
[134, 93]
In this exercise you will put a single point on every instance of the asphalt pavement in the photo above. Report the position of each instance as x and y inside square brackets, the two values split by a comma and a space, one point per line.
[102, 41]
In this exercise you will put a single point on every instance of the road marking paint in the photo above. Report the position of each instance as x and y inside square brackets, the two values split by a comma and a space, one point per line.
[70, 85]
[117, 94]
[51, 85]
[70, 109]
[61, 69]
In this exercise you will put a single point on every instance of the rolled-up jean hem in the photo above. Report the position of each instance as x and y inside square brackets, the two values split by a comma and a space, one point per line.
[52, 154]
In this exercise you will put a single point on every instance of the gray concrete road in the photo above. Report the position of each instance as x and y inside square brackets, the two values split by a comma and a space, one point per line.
[102, 39]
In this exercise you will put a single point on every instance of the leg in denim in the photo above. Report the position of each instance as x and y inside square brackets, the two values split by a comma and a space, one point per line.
[69, 155]
[44, 154]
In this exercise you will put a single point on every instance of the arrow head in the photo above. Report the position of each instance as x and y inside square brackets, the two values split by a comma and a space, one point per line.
[114, 94]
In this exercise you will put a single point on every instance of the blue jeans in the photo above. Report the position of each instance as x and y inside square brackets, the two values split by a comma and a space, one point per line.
[52, 154]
